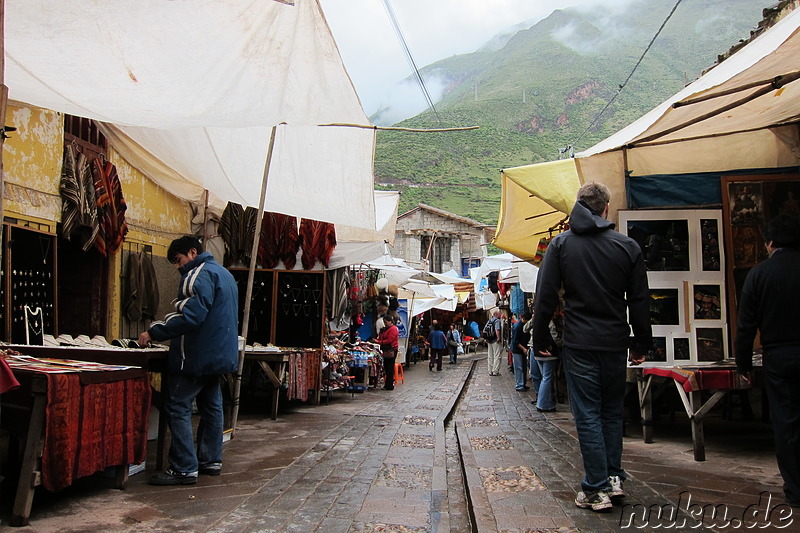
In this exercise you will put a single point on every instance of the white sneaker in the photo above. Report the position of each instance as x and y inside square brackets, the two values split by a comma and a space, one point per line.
[597, 502]
[616, 487]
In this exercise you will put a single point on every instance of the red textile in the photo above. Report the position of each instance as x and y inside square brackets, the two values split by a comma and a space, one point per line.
[7, 380]
[279, 241]
[700, 379]
[318, 240]
[111, 207]
[91, 427]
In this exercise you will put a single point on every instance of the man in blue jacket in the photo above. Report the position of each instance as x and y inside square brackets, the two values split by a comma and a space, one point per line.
[204, 331]
[605, 282]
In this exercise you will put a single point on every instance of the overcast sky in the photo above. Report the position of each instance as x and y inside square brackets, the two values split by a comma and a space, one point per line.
[433, 29]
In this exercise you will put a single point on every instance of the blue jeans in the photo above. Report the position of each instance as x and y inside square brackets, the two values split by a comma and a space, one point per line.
[519, 369]
[596, 385]
[536, 374]
[546, 398]
[180, 392]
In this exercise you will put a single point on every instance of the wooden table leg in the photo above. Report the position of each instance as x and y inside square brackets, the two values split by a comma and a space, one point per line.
[698, 436]
[30, 475]
[276, 381]
[646, 407]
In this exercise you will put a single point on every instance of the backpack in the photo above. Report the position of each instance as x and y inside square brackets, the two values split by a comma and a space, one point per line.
[489, 333]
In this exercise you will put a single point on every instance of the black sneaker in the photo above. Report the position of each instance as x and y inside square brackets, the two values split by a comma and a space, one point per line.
[171, 477]
[211, 469]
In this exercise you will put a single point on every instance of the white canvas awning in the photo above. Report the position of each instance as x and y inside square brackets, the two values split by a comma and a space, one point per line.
[189, 92]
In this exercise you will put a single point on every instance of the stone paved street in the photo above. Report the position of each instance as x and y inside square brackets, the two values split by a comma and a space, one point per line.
[455, 450]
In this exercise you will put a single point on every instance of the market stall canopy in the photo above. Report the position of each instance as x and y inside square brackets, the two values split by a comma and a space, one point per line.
[736, 116]
[394, 269]
[451, 276]
[188, 93]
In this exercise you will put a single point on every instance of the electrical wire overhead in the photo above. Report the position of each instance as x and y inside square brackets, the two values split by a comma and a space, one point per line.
[410, 58]
[570, 147]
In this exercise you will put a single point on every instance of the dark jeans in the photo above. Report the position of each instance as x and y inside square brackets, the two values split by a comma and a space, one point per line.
[388, 366]
[436, 357]
[782, 371]
[596, 385]
[180, 392]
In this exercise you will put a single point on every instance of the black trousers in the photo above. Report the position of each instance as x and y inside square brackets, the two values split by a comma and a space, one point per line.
[782, 371]
[388, 366]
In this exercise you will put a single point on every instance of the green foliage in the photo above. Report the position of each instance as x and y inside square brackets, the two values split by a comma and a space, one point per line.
[537, 94]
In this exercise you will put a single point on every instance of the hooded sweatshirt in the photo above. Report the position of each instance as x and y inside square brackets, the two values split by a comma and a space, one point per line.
[605, 281]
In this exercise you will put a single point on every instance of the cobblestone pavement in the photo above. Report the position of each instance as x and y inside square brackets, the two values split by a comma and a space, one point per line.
[456, 450]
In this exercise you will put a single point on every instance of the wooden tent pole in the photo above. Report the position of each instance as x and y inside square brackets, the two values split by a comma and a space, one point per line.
[205, 222]
[237, 383]
[3, 107]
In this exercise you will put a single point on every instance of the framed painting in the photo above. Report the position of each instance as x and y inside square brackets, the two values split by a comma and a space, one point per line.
[748, 203]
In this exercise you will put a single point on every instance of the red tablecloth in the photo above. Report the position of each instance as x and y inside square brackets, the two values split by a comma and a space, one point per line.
[694, 379]
[93, 420]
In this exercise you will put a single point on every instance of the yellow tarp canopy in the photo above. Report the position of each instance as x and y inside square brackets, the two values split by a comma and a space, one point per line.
[534, 199]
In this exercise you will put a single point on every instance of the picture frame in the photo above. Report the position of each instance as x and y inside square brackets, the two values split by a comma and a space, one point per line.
[708, 301]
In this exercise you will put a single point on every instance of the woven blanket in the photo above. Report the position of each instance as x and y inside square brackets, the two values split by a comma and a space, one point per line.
[695, 379]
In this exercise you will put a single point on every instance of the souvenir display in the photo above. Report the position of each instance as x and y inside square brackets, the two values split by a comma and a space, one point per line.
[686, 274]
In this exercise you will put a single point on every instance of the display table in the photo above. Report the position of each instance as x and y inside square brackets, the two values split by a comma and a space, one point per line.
[274, 365]
[152, 359]
[690, 381]
[75, 419]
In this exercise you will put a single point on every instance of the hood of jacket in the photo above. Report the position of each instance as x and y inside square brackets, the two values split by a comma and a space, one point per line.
[583, 221]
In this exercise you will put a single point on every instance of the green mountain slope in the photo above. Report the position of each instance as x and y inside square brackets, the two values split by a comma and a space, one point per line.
[544, 90]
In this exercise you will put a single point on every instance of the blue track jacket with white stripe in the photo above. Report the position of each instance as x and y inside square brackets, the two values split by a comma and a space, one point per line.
[205, 325]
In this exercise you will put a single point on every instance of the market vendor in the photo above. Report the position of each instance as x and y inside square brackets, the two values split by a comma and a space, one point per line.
[204, 329]
[388, 339]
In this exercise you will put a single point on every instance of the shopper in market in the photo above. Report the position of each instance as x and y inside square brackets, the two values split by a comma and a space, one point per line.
[438, 341]
[388, 338]
[606, 295]
[769, 305]
[453, 343]
[493, 334]
[204, 331]
[519, 351]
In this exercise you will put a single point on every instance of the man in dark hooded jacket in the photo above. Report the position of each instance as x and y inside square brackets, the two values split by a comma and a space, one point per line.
[605, 282]
[204, 330]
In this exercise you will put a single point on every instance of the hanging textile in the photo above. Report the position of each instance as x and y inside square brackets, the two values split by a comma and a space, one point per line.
[237, 227]
[279, 241]
[318, 240]
[141, 296]
[336, 298]
[110, 207]
[150, 294]
[229, 231]
[132, 297]
[78, 205]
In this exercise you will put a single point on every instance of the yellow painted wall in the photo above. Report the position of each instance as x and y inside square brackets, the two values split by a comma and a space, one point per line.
[32, 164]
[32, 160]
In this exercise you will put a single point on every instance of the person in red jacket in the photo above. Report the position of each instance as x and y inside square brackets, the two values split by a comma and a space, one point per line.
[389, 346]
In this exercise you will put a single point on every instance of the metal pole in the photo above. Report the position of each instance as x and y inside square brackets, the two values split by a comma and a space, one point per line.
[237, 383]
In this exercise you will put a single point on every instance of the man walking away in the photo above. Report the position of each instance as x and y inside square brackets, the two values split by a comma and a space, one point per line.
[605, 281]
[769, 304]
[204, 330]
[492, 334]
